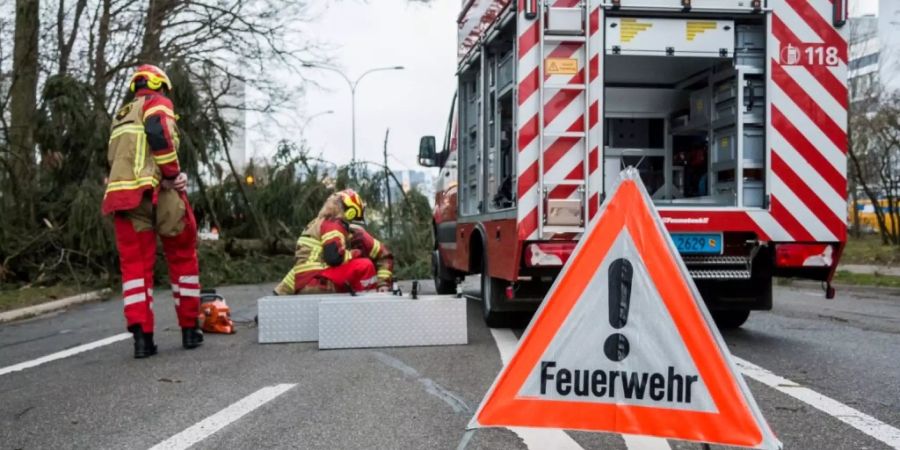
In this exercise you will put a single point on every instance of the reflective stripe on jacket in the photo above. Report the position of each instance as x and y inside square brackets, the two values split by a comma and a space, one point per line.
[132, 169]
[320, 236]
[374, 250]
[143, 148]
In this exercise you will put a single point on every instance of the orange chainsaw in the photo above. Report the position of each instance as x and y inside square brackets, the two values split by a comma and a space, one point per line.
[215, 315]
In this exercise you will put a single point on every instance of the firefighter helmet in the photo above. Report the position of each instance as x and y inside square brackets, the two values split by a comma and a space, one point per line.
[354, 209]
[152, 75]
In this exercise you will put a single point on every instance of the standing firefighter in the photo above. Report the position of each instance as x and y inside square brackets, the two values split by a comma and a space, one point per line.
[335, 254]
[146, 193]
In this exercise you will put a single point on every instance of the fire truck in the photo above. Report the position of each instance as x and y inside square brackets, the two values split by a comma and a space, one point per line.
[734, 112]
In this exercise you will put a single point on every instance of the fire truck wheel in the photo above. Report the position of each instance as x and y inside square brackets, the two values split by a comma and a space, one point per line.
[444, 282]
[491, 296]
[727, 320]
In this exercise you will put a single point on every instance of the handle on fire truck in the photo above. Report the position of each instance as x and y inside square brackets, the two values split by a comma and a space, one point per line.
[748, 96]
[839, 8]
[531, 7]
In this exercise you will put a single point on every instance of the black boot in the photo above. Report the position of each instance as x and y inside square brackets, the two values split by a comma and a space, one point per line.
[143, 342]
[191, 337]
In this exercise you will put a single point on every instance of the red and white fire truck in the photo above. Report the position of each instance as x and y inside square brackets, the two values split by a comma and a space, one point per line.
[733, 111]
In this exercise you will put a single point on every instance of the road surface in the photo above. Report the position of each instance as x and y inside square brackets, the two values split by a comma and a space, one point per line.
[235, 393]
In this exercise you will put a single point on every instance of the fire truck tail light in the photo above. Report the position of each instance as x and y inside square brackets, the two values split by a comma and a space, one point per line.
[548, 254]
[803, 255]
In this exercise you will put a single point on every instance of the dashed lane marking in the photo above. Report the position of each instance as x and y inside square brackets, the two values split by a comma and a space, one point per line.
[856, 419]
[64, 354]
[210, 425]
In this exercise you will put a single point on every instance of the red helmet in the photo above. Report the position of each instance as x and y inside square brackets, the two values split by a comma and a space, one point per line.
[154, 77]
[353, 205]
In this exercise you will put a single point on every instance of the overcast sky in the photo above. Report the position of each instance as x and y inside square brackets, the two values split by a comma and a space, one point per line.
[412, 103]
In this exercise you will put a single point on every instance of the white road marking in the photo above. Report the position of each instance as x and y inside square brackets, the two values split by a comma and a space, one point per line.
[64, 353]
[633, 442]
[210, 425]
[545, 438]
[506, 343]
[534, 438]
[856, 419]
[540, 438]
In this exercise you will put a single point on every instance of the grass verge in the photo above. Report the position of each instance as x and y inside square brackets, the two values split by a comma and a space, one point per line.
[868, 249]
[20, 298]
[844, 277]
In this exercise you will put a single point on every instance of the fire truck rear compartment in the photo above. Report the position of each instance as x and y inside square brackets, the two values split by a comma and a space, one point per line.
[687, 109]
[684, 102]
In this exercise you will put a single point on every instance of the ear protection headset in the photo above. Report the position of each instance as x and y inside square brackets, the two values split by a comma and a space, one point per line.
[152, 75]
[153, 82]
[353, 208]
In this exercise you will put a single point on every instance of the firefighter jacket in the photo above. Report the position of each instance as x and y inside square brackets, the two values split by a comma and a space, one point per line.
[143, 147]
[330, 243]
[376, 251]
[322, 244]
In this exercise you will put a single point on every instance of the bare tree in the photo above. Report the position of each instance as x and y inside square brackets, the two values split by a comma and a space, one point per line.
[23, 105]
[875, 161]
[157, 12]
[874, 131]
[65, 67]
[65, 44]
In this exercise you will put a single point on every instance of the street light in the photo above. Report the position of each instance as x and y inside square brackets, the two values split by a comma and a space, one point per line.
[353, 85]
[310, 118]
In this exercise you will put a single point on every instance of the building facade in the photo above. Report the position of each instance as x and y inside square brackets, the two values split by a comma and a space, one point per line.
[874, 66]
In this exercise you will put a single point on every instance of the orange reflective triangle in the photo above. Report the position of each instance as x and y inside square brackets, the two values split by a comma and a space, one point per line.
[623, 343]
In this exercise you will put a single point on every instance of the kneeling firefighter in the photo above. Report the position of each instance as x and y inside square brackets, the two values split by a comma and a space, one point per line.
[336, 254]
[146, 193]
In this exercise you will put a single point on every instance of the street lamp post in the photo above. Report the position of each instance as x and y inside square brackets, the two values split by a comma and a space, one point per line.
[310, 119]
[353, 85]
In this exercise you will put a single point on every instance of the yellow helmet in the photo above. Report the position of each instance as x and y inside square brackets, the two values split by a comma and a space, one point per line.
[353, 205]
[154, 76]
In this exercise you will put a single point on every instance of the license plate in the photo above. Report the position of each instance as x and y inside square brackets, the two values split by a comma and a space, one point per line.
[698, 244]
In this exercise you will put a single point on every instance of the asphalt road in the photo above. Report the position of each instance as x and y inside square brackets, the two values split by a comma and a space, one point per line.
[406, 398]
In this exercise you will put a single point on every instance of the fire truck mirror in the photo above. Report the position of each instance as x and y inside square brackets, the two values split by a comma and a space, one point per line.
[427, 155]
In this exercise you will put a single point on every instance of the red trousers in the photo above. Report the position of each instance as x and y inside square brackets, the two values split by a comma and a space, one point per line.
[136, 233]
[358, 274]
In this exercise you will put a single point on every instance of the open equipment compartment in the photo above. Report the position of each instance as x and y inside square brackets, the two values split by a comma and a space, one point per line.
[487, 113]
[685, 105]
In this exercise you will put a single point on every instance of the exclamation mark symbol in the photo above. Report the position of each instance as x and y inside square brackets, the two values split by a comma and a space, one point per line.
[620, 274]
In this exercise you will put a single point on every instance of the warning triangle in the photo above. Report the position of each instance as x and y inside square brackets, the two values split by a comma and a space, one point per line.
[623, 343]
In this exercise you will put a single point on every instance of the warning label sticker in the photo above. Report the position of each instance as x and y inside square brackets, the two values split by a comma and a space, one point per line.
[561, 66]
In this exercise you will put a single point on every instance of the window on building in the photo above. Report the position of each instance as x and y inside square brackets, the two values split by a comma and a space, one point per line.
[864, 61]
